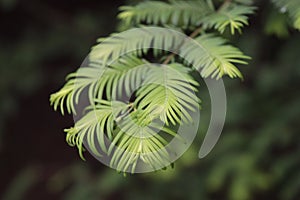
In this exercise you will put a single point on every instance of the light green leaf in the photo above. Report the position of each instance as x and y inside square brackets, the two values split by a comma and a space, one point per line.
[213, 56]
[233, 16]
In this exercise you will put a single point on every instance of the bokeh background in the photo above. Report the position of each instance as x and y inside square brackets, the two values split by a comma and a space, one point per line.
[257, 156]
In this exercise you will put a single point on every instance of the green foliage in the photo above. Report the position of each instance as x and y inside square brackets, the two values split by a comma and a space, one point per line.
[159, 97]
[137, 42]
[256, 158]
[137, 140]
[95, 77]
[98, 120]
[292, 7]
[178, 13]
[188, 14]
[234, 16]
[168, 92]
[214, 57]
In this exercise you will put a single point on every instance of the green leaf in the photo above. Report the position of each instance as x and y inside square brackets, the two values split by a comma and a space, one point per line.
[95, 126]
[98, 79]
[162, 96]
[177, 13]
[168, 92]
[213, 56]
[139, 139]
[233, 16]
[209, 52]
[136, 41]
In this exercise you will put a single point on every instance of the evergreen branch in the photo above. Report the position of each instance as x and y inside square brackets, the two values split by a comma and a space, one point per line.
[202, 55]
[225, 4]
[161, 94]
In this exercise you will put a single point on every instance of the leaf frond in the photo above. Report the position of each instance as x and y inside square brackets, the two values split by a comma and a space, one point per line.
[95, 126]
[178, 13]
[159, 98]
[99, 79]
[139, 139]
[137, 41]
[233, 16]
[214, 57]
[169, 92]
[210, 53]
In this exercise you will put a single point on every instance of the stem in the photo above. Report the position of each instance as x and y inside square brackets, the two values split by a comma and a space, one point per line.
[224, 5]
[130, 108]
[193, 35]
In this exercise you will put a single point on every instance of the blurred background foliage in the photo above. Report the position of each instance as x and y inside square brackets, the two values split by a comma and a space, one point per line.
[257, 156]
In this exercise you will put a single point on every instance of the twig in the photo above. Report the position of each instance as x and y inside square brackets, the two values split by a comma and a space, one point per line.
[193, 35]
[130, 108]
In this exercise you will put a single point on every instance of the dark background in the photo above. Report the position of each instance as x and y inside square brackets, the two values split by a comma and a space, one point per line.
[257, 156]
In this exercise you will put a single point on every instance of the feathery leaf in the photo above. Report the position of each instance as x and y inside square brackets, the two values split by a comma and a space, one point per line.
[233, 16]
[98, 79]
[136, 41]
[169, 92]
[213, 56]
[209, 53]
[139, 139]
[95, 126]
[178, 13]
